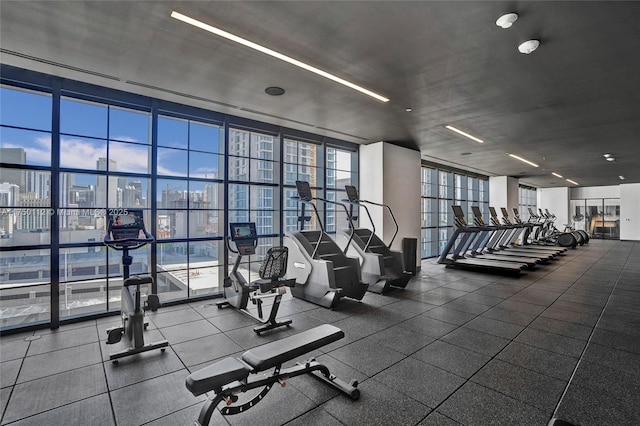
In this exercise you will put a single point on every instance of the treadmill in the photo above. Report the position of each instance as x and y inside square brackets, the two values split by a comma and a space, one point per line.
[454, 255]
[481, 249]
[509, 241]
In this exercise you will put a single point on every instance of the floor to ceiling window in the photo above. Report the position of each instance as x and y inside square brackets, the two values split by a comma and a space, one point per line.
[70, 152]
[442, 189]
[528, 200]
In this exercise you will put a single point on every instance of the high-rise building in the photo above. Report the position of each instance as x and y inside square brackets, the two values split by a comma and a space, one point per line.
[107, 185]
[9, 199]
[13, 156]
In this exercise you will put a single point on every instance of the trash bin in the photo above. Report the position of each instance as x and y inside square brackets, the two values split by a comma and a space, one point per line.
[409, 252]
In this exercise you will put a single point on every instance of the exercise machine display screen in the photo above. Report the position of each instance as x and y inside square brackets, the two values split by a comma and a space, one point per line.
[457, 211]
[126, 224]
[304, 190]
[244, 235]
[352, 193]
[243, 231]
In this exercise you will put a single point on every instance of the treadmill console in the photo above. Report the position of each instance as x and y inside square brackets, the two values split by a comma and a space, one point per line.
[304, 190]
[352, 193]
[478, 215]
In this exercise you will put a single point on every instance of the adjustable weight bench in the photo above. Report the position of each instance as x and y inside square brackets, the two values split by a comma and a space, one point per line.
[230, 376]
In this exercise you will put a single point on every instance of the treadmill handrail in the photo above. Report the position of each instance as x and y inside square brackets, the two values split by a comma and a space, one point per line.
[392, 217]
[129, 243]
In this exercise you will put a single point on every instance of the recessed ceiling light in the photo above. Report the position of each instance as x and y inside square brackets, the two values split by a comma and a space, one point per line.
[573, 182]
[408, 109]
[465, 153]
[622, 177]
[528, 46]
[506, 21]
[274, 91]
[473, 138]
[266, 50]
[611, 159]
[557, 175]
[523, 160]
[607, 155]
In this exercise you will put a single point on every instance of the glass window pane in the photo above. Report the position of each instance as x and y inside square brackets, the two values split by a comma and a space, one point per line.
[81, 153]
[25, 108]
[173, 132]
[25, 147]
[129, 125]
[207, 166]
[83, 118]
[25, 305]
[238, 168]
[25, 267]
[239, 197]
[262, 171]
[129, 157]
[172, 162]
[205, 137]
[239, 143]
[172, 194]
[262, 146]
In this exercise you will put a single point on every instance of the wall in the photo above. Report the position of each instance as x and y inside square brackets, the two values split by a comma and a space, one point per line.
[630, 211]
[390, 174]
[611, 191]
[557, 201]
[503, 192]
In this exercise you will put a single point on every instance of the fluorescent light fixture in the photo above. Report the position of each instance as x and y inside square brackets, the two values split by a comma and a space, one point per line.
[523, 160]
[610, 159]
[573, 182]
[557, 175]
[266, 50]
[607, 155]
[473, 138]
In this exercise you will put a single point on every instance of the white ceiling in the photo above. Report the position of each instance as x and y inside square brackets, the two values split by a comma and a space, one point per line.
[562, 107]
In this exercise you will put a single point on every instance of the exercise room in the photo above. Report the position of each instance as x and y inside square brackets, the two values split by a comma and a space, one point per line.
[319, 213]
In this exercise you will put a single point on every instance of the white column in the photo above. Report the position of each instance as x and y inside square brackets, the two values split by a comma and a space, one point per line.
[630, 211]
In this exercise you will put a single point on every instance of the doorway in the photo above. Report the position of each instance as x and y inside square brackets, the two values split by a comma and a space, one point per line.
[600, 217]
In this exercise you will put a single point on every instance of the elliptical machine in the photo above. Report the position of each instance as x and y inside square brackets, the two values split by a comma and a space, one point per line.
[126, 231]
[238, 292]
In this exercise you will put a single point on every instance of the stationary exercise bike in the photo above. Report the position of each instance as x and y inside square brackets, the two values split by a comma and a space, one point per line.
[126, 232]
[238, 292]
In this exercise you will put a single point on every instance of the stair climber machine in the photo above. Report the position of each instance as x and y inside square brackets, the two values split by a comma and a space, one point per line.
[238, 292]
[322, 271]
[382, 268]
[455, 255]
[126, 231]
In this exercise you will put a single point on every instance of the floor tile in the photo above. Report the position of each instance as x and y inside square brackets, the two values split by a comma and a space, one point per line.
[193, 330]
[317, 417]
[610, 381]
[449, 315]
[63, 339]
[576, 331]
[9, 372]
[91, 411]
[401, 339]
[367, 356]
[428, 326]
[437, 419]
[551, 342]
[378, 405]
[476, 341]
[152, 399]
[476, 405]
[625, 342]
[494, 327]
[205, 349]
[591, 407]
[141, 367]
[50, 363]
[508, 315]
[545, 362]
[423, 382]
[452, 358]
[532, 388]
[614, 358]
[44, 394]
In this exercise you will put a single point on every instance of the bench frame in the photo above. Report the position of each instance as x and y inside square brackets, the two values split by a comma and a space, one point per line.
[229, 392]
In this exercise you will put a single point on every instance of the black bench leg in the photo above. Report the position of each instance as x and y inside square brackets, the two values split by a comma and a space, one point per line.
[207, 410]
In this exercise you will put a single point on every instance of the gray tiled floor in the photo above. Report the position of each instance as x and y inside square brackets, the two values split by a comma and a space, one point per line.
[455, 347]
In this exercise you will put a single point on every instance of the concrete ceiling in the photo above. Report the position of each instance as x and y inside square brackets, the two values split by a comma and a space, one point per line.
[564, 106]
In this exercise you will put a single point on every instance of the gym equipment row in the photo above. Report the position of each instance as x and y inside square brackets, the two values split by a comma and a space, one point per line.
[502, 247]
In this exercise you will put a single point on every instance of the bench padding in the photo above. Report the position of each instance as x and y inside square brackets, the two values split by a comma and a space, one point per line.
[276, 353]
[217, 375]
